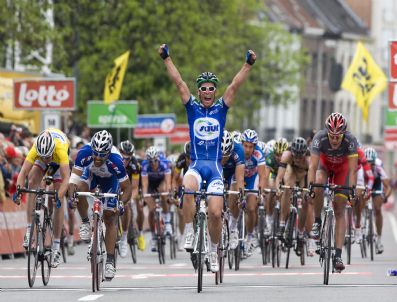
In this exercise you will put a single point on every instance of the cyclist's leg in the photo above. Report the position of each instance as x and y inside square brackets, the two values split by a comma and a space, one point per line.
[84, 185]
[191, 182]
[166, 215]
[34, 179]
[289, 180]
[321, 178]
[252, 205]
[378, 202]
[270, 202]
[234, 211]
[71, 224]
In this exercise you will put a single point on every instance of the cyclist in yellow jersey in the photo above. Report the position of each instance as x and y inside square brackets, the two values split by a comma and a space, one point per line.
[50, 151]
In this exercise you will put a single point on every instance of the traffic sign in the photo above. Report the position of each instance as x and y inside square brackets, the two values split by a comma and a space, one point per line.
[120, 114]
[393, 61]
[154, 125]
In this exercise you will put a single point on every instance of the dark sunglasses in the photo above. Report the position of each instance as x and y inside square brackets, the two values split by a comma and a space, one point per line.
[153, 161]
[127, 158]
[204, 89]
[100, 155]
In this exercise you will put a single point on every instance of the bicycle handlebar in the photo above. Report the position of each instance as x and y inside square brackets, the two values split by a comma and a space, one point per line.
[295, 188]
[96, 194]
[154, 195]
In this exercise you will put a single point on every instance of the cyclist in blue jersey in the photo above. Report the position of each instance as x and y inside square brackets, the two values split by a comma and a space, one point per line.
[254, 161]
[206, 118]
[156, 178]
[100, 164]
[233, 173]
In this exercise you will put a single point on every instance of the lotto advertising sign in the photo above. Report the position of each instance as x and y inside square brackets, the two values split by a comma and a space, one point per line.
[45, 94]
[393, 60]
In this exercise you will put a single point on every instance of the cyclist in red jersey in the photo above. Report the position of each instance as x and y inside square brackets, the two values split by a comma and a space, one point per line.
[333, 156]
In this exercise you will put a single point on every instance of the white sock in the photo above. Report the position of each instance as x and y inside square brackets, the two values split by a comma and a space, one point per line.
[56, 243]
[70, 240]
[233, 223]
[214, 247]
[124, 236]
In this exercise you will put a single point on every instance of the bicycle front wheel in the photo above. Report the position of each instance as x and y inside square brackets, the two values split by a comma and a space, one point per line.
[47, 244]
[94, 254]
[275, 241]
[33, 251]
[349, 234]
[371, 237]
[328, 247]
[200, 250]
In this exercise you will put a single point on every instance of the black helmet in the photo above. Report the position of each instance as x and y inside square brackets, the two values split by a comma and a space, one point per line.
[299, 146]
[127, 147]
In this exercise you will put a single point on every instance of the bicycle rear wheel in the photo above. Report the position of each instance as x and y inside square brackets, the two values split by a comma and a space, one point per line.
[240, 245]
[33, 251]
[47, 244]
[63, 245]
[131, 239]
[275, 242]
[328, 247]
[200, 254]
[290, 235]
[349, 234]
[262, 241]
[94, 254]
[230, 258]
[371, 237]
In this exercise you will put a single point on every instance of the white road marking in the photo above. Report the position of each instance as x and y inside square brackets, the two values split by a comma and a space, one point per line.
[90, 298]
[393, 224]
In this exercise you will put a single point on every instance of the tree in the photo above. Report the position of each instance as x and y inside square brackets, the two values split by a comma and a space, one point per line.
[202, 35]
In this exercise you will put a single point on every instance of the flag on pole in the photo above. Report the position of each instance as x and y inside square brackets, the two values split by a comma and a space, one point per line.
[364, 79]
[114, 79]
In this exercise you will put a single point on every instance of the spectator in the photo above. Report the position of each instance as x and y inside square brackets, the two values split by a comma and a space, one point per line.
[15, 136]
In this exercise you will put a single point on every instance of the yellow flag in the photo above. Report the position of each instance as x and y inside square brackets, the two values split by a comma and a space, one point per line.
[364, 79]
[114, 79]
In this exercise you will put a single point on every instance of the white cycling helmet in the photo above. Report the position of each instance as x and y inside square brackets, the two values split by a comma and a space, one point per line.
[250, 136]
[45, 144]
[102, 142]
[152, 153]
[227, 143]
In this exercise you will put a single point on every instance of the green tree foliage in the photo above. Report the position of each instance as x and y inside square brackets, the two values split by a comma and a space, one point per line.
[23, 28]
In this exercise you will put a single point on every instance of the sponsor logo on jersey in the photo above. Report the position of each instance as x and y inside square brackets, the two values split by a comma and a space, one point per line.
[206, 128]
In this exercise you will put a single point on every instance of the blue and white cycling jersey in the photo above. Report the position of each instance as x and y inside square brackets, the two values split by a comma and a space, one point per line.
[158, 175]
[206, 128]
[235, 159]
[251, 167]
[108, 176]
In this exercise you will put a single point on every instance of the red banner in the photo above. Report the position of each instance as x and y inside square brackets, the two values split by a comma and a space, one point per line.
[44, 94]
[392, 96]
[393, 61]
[180, 135]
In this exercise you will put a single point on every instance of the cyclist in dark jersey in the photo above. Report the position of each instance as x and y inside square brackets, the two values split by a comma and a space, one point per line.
[333, 153]
[133, 169]
[206, 118]
[181, 166]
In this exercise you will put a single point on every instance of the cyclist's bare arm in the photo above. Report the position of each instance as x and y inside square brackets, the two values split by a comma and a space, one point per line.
[145, 184]
[240, 176]
[135, 187]
[168, 182]
[238, 79]
[26, 167]
[313, 165]
[175, 76]
[74, 178]
[285, 160]
[352, 166]
[386, 187]
[261, 173]
[64, 169]
[126, 188]
[267, 176]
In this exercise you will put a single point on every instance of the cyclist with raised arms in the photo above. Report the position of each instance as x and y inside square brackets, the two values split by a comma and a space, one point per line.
[50, 149]
[100, 164]
[294, 165]
[333, 156]
[133, 169]
[206, 118]
[233, 174]
[381, 184]
[156, 178]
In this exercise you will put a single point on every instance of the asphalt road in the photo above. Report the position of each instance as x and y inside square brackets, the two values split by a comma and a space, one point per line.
[176, 280]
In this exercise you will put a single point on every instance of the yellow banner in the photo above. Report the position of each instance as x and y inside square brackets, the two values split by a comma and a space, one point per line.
[364, 79]
[114, 79]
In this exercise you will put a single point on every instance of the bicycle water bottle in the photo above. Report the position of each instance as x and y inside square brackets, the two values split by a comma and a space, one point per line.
[392, 272]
